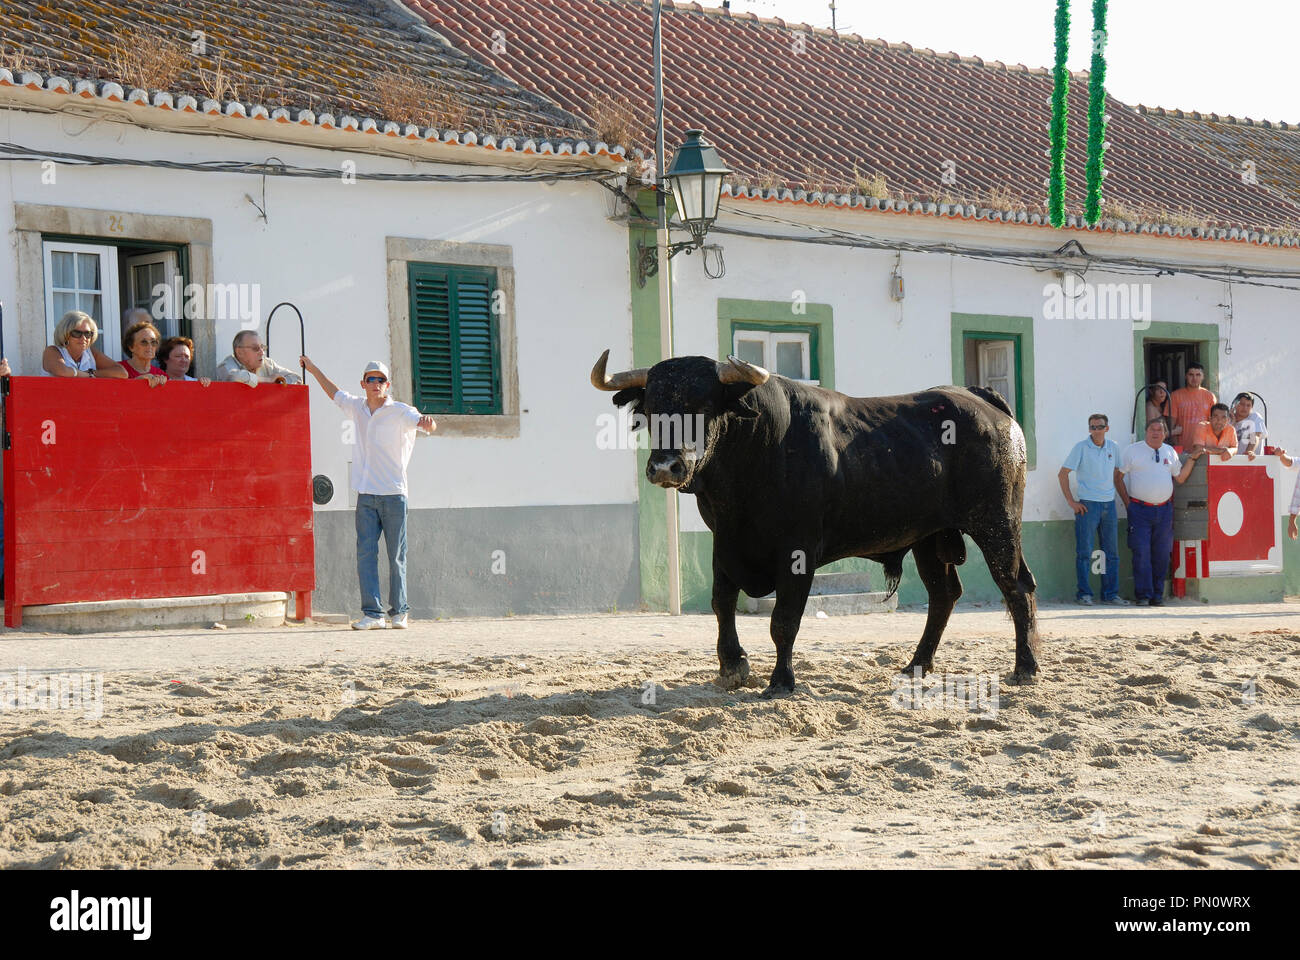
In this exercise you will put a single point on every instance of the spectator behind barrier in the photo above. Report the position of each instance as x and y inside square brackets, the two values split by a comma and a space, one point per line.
[73, 355]
[1188, 406]
[1251, 429]
[1216, 434]
[176, 355]
[1158, 403]
[140, 344]
[249, 363]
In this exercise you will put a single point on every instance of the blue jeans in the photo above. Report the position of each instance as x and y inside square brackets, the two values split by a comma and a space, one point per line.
[1151, 538]
[1100, 516]
[377, 513]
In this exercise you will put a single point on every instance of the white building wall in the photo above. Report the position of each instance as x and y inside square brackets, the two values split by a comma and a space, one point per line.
[323, 248]
[1080, 367]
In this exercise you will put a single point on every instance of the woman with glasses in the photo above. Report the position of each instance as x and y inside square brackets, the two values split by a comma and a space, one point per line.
[140, 343]
[72, 353]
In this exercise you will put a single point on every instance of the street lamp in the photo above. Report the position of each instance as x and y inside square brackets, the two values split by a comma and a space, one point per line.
[696, 177]
[696, 181]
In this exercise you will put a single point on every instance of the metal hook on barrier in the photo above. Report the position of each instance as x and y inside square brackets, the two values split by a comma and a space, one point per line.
[302, 334]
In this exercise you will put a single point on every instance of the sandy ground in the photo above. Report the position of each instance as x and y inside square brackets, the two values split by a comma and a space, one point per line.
[1153, 738]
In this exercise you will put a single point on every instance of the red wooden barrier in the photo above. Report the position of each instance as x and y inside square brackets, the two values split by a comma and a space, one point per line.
[113, 490]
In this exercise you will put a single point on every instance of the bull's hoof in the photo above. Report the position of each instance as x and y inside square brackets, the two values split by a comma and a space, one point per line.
[733, 675]
[1025, 673]
[777, 691]
[925, 668]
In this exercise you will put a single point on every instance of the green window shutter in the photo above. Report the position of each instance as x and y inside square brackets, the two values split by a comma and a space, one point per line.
[455, 345]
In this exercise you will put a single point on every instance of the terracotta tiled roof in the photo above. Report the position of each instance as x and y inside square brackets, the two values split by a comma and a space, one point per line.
[1272, 148]
[324, 57]
[789, 105]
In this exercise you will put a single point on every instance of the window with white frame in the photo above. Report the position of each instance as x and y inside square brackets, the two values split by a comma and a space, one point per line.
[83, 276]
[992, 363]
[785, 352]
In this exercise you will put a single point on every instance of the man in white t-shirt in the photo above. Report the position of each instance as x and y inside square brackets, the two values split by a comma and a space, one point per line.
[385, 437]
[1248, 425]
[1150, 468]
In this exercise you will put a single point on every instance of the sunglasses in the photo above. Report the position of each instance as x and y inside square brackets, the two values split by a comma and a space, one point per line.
[1102, 427]
[376, 379]
[148, 343]
[80, 335]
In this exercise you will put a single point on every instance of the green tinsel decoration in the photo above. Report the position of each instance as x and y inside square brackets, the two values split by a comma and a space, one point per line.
[1060, 115]
[1096, 112]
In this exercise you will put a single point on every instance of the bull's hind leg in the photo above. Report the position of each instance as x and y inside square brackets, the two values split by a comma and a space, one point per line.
[733, 665]
[1001, 549]
[944, 587]
[791, 598]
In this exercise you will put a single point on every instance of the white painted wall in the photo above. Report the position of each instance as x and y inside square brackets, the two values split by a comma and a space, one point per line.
[883, 347]
[323, 249]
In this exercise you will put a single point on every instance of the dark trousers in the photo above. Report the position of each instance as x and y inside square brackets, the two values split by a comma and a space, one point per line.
[1151, 538]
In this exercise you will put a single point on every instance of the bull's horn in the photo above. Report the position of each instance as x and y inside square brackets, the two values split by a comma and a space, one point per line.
[738, 371]
[619, 381]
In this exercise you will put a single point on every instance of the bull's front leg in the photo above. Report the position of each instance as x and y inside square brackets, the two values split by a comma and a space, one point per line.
[791, 598]
[733, 665]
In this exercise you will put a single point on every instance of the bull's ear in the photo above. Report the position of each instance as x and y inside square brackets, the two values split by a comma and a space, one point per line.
[735, 403]
[633, 395]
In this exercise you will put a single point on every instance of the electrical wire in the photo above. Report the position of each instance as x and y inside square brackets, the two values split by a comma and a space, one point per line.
[17, 152]
[1044, 260]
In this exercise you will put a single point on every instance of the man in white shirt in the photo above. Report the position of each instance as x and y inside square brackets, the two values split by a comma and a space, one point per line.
[1150, 468]
[385, 437]
[1248, 425]
[249, 364]
[1292, 529]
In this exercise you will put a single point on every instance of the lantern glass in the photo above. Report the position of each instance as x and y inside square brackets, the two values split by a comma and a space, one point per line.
[696, 179]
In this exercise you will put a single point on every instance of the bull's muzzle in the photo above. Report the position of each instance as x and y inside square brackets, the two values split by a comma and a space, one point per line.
[666, 470]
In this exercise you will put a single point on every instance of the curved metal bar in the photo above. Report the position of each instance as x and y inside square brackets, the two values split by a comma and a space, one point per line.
[302, 334]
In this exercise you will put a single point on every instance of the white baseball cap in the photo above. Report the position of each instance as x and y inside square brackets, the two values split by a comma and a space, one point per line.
[376, 366]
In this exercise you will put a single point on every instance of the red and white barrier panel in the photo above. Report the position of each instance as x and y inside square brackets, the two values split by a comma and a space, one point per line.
[1245, 528]
[114, 490]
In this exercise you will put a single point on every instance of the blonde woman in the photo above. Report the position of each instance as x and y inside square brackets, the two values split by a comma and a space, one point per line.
[72, 353]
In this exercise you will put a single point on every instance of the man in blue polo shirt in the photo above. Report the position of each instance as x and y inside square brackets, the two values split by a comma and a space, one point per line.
[1094, 462]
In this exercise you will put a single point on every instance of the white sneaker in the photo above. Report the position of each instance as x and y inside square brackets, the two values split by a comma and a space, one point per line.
[399, 623]
[370, 623]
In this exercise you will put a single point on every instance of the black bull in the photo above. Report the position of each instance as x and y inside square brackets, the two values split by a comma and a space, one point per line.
[790, 477]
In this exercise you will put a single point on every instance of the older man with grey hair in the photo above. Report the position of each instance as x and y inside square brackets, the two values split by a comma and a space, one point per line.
[248, 363]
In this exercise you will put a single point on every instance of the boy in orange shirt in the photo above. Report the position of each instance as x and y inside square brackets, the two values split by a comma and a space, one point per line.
[1216, 434]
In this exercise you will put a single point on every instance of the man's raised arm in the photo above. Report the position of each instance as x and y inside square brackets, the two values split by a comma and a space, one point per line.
[326, 383]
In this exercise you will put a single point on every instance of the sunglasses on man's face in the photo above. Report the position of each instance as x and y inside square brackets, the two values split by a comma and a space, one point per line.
[80, 334]
[376, 379]
[1101, 426]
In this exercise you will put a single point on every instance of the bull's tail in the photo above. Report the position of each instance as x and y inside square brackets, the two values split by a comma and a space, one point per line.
[993, 397]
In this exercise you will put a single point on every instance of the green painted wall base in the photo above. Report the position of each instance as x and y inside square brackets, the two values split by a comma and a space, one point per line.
[1261, 589]
[1048, 547]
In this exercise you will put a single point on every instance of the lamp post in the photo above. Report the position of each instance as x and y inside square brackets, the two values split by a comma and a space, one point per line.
[696, 181]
